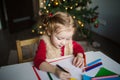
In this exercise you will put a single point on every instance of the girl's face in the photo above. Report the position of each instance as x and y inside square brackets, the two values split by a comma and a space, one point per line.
[62, 38]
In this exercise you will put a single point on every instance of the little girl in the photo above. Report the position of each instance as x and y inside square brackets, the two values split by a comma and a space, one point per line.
[58, 42]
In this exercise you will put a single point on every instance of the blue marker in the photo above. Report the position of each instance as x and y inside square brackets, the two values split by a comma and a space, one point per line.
[93, 62]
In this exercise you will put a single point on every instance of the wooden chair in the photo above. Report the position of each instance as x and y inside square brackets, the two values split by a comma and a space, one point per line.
[26, 49]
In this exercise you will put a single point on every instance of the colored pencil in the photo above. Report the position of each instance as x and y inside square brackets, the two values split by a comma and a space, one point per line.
[105, 77]
[94, 62]
[62, 68]
[49, 76]
[92, 67]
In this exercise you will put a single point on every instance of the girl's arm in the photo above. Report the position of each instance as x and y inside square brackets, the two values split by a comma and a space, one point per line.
[77, 48]
[40, 54]
[78, 51]
[45, 66]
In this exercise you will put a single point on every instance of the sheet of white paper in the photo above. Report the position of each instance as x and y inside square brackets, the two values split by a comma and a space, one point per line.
[67, 63]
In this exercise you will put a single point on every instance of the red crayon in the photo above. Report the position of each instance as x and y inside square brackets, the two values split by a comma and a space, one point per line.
[93, 66]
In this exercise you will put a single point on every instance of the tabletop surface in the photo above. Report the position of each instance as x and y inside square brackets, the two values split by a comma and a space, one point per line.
[24, 71]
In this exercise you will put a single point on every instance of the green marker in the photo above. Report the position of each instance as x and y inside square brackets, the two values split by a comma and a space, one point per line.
[49, 76]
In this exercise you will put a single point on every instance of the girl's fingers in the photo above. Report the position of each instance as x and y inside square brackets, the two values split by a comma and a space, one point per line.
[81, 64]
[74, 61]
[65, 76]
[78, 62]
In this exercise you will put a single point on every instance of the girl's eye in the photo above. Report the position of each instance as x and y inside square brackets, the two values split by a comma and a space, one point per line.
[59, 38]
[67, 39]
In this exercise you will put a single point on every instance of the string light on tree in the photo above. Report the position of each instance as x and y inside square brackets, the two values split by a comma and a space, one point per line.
[56, 3]
[71, 7]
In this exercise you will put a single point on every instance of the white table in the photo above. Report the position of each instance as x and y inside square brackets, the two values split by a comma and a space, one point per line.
[24, 71]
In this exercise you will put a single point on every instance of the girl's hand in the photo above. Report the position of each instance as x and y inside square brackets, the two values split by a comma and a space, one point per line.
[78, 61]
[62, 75]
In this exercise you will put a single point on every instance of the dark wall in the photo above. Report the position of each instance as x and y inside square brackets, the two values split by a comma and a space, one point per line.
[18, 14]
[109, 17]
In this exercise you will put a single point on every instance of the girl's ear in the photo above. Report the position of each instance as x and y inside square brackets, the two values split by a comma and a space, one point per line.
[48, 33]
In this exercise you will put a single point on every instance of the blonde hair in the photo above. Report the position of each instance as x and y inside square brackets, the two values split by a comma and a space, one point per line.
[60, 21]
[57, 22]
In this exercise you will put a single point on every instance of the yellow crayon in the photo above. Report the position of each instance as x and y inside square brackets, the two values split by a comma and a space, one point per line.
[73, 79]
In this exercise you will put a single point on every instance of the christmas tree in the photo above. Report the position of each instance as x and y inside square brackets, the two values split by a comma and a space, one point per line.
[84, 15]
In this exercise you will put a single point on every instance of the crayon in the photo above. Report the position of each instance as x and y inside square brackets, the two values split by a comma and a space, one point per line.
[49, 76]
[92, 67]
[105, 77]
[73, 79]
[93, 62]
